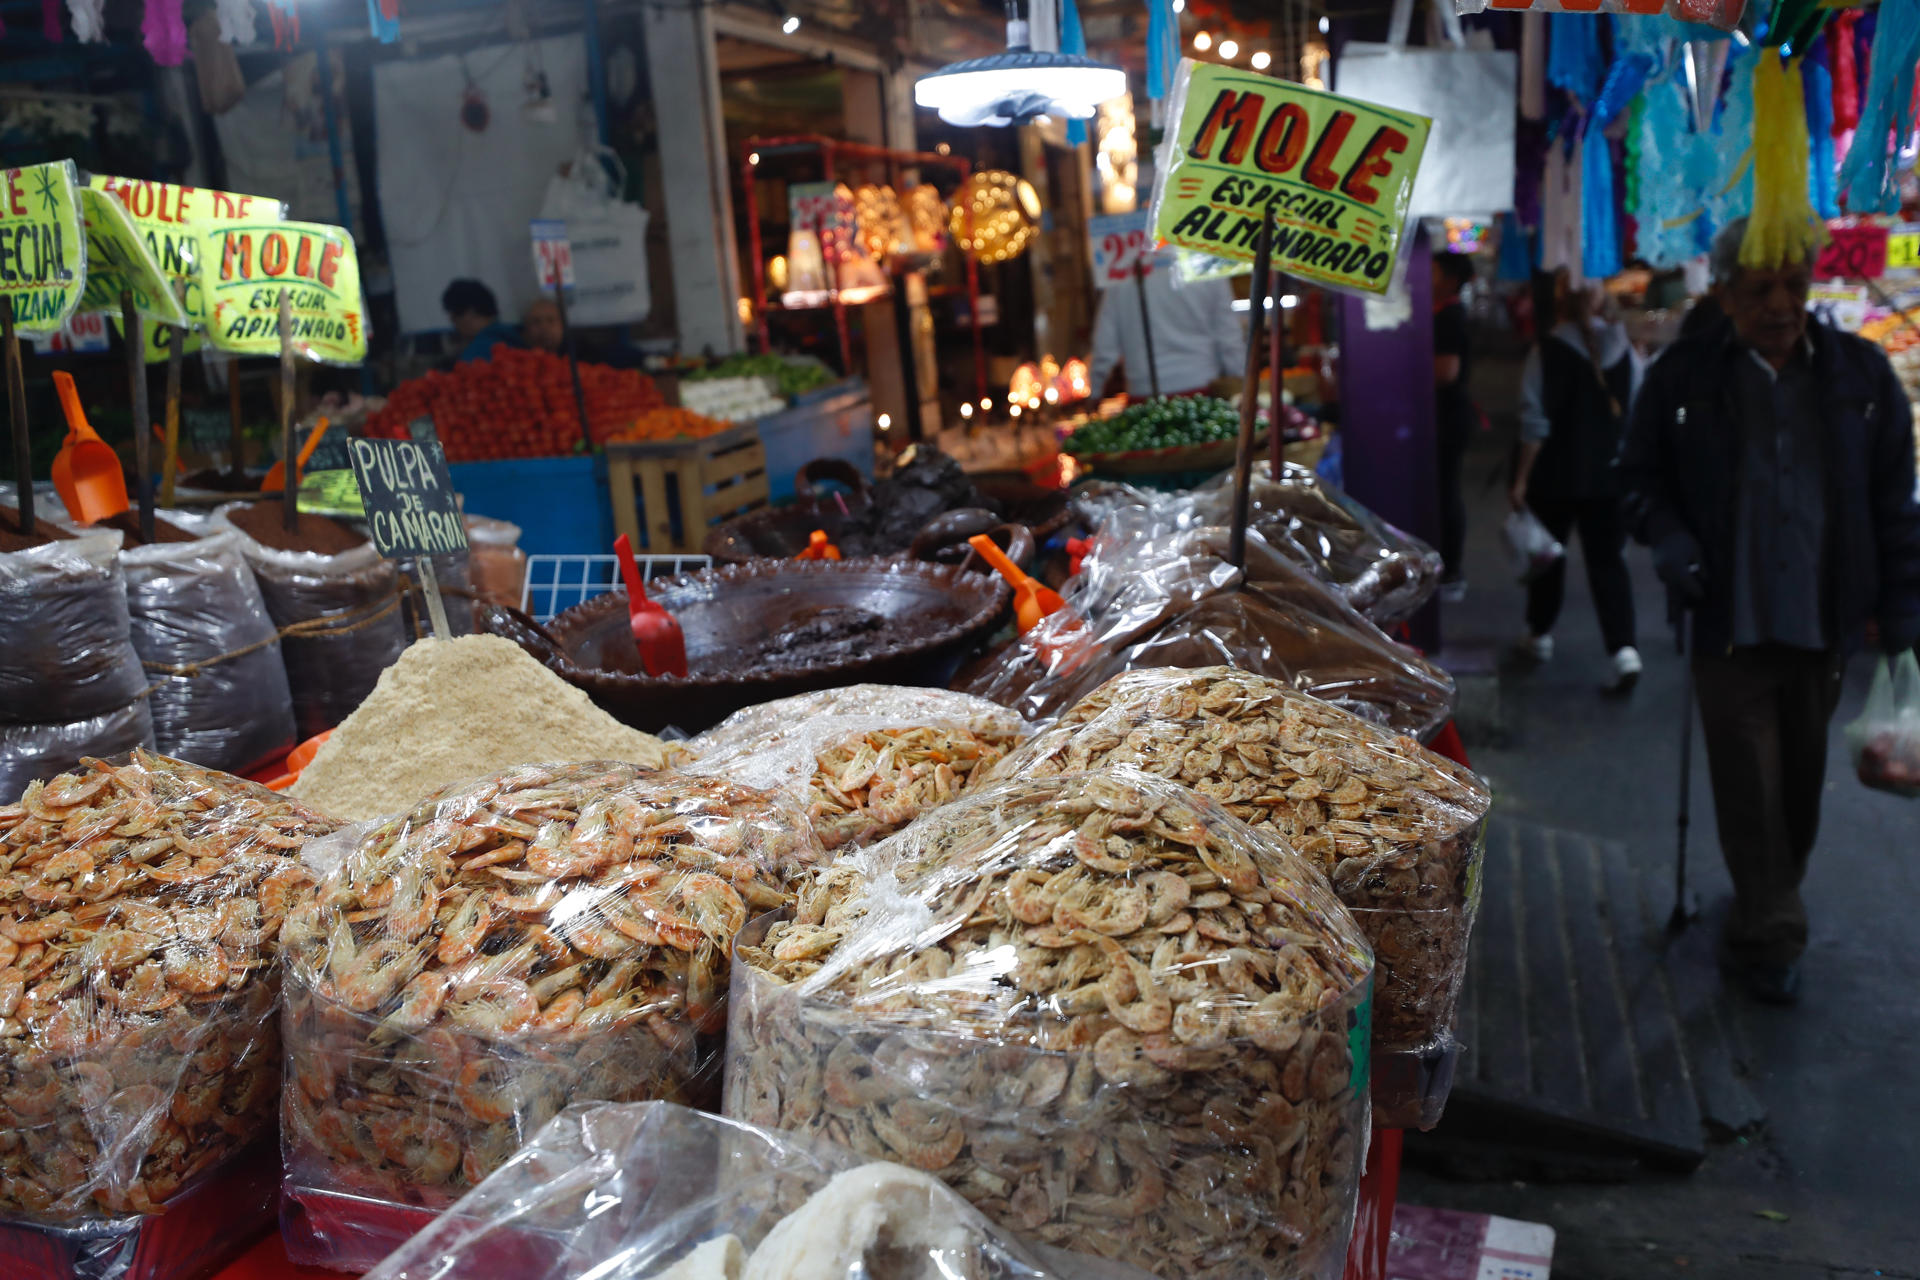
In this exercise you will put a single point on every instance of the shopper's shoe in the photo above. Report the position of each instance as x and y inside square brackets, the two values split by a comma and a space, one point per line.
[1453, 590]
[1532, 649]
[1773, 983]
[1626, 672]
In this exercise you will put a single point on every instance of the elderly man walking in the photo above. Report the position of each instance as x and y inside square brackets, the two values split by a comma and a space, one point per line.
[1769, 465]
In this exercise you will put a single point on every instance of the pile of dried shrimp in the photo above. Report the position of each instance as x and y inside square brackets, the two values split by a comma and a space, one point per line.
[552, 933]
[139, 906]
[1396, 828]
[1096, 1006]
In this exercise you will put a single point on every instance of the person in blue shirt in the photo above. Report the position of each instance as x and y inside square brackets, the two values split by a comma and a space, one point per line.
[476, 320]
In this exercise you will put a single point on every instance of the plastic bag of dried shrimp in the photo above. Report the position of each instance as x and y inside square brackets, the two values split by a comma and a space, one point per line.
[138, 1044]
[1397, 830]
[1149, 597]
[1095, 1005]
[864, 760]
[545, 935]
[655, 1191]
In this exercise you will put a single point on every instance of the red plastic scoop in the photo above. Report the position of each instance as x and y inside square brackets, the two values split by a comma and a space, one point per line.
[663, 649]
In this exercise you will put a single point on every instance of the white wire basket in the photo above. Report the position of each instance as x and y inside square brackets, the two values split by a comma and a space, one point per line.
[557, 583]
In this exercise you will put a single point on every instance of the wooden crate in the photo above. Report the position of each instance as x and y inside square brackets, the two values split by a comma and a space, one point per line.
[709, 480]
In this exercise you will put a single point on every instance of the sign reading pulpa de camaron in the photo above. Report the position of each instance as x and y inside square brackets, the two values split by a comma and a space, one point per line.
[243, 270]
[1337, 173]
[43, 246]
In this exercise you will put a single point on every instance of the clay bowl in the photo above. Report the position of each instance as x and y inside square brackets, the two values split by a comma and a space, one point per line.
[935, 616]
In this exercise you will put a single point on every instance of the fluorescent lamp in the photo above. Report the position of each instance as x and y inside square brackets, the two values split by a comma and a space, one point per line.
[1019, 85]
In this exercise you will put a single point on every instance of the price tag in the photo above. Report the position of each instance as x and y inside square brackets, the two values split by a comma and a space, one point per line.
[1855, 252]
[83, 331]
[1903, 250]
[410, 508]
[552, 254]
[1120, 242]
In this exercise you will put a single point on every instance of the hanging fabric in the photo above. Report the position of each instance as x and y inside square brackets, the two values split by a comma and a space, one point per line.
[1163, 48]
[1599, 226]
[1868, 183]
[1073, 39]
[165, 32]
[89, 23]
[1515, 262]
[1845, 68]
[1782, 227]
[1816, 87]
[236, 18]
[1729, 191]
[1560, 210]
[50, 20]
[383, 19]
[1573, 55]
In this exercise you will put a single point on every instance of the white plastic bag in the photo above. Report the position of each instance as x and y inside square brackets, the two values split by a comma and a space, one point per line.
[1884, 740]
[1531, 549]
[608, 238]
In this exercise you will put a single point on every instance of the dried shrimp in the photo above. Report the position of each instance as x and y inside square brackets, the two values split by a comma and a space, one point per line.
[1012, 995]
[139, 907]
[547, 934]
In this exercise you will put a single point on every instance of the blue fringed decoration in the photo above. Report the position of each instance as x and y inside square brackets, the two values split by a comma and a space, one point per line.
[1163, 47]
[1599, 223]
[1073, 39]
[1625, 78]
[1817, 86]
[1886, 111]
[1573, 55]
[386, 30]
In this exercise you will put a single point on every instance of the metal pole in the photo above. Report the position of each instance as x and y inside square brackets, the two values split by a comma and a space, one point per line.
[1243, 454]
[290, 491]
[17, 410]
[573, 362]
[1146, 323]
[136, 338]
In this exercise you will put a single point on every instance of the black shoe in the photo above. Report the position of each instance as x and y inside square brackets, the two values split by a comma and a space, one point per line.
[1772, 983]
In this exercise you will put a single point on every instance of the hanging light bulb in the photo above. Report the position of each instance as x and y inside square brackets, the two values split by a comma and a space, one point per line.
[790, 23]
[1261, 60]
[1229, 49]
[1202, 41]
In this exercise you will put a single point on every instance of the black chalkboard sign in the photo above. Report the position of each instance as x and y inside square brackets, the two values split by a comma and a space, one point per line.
[409, 497]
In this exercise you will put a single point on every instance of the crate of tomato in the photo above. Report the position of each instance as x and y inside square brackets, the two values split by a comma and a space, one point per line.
[517, 404]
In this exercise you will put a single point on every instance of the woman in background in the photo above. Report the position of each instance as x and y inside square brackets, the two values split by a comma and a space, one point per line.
[1579, 381]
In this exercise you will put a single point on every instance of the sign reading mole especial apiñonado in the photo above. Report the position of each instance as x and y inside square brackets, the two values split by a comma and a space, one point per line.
[243, 270]
[1336, 171]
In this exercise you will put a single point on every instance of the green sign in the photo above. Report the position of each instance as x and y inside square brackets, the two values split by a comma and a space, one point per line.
[244, 271]
[119, 262]
[330, 493]
[43, 246]
[1336, 172]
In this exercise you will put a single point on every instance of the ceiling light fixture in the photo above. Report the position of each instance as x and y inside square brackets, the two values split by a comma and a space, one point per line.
[1019, 85]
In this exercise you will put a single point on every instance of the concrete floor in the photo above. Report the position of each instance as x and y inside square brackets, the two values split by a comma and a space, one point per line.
[1829, 1187]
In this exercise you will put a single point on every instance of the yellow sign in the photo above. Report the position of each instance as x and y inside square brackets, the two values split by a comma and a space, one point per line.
[1336, 172]
[330, 493]
[43, 246]
[244, 270]
[173, 219]
[1903, 249]
[118, 262]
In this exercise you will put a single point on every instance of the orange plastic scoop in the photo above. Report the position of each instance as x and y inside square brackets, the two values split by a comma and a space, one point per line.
[663, 649]
[276, 478]
[818, 548]
[86, 471]
[1032, 600]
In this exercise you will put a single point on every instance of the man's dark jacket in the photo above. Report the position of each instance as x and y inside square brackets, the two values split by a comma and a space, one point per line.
[1680, 472]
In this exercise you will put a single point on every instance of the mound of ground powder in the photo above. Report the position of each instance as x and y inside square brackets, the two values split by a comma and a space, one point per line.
[449, 710]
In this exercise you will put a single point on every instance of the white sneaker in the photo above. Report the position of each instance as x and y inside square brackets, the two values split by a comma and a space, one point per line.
[1626, 669]
[1535, 648]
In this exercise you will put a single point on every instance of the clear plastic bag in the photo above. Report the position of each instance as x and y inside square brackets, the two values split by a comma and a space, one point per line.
[1397, 830]
[1531, 549]
[654, 1191]
[192, 604]
[140, 1047]
[863, 760]
[69, 676]
[1097, 1006]
[1170, 599]
[1884, 740]
[348, 606]
[544, 935]
[1382, 572]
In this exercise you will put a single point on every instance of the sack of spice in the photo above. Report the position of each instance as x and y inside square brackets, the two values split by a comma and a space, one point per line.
[1097, 1006]
[545, 935]
[863, 760]
[1397, 830]
[655, 1191]
[1172, 599]
[71, 684]
[141, 1048]
[329, 582]
[220, 694]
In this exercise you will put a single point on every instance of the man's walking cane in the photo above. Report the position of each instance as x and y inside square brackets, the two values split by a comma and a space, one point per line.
[1685, 906]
